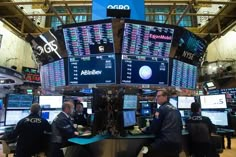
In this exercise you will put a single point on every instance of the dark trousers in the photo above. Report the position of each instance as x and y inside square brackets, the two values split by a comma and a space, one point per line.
[55, 150]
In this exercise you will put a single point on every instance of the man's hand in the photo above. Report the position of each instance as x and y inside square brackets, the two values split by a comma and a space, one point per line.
[76, 133]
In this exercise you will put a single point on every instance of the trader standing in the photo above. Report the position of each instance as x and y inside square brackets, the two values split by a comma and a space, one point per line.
[31, 133]
[62, 130]
[166, 126]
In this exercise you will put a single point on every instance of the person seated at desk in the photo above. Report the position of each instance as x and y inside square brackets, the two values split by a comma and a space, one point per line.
[167, 127]
[62, 130]
[79, 116]
[200, 129]
[31, 133]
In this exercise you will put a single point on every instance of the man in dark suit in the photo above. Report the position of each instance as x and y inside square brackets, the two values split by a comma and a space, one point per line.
[62, 130]
[79, 116]
[31, 133]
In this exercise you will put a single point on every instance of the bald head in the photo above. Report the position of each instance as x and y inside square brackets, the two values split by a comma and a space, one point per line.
[68, 107]
[35, 108]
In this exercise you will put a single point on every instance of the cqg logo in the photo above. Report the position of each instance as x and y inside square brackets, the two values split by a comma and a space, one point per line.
[121, 7]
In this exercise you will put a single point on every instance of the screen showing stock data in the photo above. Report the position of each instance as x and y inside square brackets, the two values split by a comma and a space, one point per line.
[140, 39]
[92, 70]
[183, 75]
[89, 38]
[53, 75]
[144, 70]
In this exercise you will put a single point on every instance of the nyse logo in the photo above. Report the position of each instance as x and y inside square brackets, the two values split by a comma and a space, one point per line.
[121, 7]
[90, 72]
[47, 48]
[188, 55]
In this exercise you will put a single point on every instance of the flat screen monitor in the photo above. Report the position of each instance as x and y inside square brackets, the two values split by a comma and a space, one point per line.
[130, 102]
[219, 118]
[213, 101]
[173, 101]
[185, 113]
[1, 104]
[92, 70]
[51, 101]
[129, 118]
[183, 75]
[184, 102]
[146, 112]
[143, 38]
[19, 101]
[53, 75]
[89, 38]
[50, 115]
[89, 111]
[144, 70]
[85, 100]
[146, 105]
[14, 116]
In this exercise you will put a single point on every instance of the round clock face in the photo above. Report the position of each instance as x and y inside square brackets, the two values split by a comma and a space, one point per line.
[145, 72]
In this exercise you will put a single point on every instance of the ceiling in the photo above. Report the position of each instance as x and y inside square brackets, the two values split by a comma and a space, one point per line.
[218, 23]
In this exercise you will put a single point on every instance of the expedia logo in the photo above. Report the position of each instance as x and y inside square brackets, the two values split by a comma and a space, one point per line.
[90, 72]
[121, 7]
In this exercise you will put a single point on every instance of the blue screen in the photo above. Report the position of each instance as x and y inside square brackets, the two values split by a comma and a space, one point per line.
[89, 38]
[219, 118]
[92, 70]
[141, 38]
[130, 102]
[183, 75]
[19, 101]
[129, 118]
[99, 8]
[1, 104]
[145, 112]
[144, 70]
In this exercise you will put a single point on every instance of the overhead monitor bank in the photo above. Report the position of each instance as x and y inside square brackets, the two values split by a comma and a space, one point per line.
[143, 56]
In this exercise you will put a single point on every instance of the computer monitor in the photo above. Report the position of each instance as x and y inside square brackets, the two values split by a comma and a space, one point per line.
[173, 101]
[130, 102]
[184, 102]
[146, 112]
[19, 101]
[50, 115]
[146, 105]
[129, 118]
[218, 118]
[213, 101]
[1, 104]
[50, 101]
[12, 117]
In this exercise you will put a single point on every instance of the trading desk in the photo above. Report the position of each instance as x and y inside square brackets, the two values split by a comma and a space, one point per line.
[118, 146]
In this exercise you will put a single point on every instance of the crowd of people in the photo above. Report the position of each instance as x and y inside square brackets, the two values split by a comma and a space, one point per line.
[35, 134]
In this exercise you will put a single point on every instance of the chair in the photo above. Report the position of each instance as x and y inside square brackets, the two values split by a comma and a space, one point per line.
[8, 148]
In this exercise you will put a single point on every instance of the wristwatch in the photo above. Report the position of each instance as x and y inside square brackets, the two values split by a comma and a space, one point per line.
[144, 150]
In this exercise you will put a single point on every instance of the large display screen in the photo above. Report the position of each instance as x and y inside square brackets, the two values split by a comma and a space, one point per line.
[217, 117]
[184, 102]
[31, 74]
[50, 115]
[129, 118]
[183, 75]
[144, 39]
[19, 101]
[85, 100]
[144, 70]
[89, 38]
[213, 101]
[130, 102]
[92, 70]
[50, 101]
[14, 116]
[53, 75]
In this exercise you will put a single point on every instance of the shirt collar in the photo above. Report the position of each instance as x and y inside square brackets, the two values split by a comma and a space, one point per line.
[66, 114]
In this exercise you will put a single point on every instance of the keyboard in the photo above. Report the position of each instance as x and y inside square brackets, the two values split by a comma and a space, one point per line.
[136, 132]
